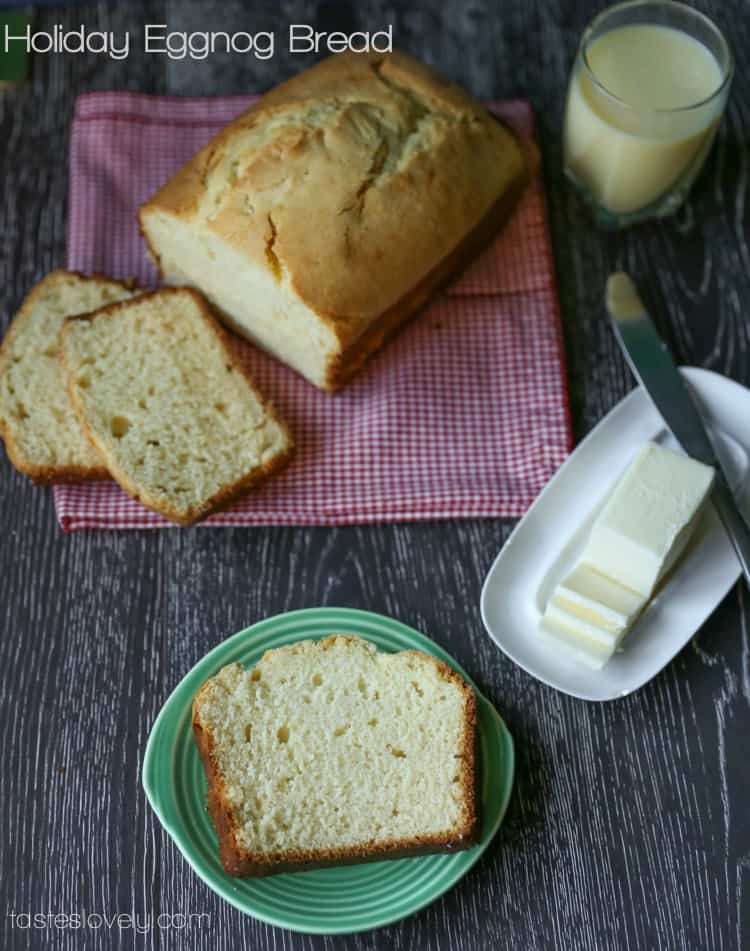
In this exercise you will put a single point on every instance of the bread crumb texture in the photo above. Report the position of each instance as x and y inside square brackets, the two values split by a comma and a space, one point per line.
[331, 747]
[43, 435]
[176, 417]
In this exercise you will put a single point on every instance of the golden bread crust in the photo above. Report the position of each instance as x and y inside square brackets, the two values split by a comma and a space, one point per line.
[348, 363]
[350, 183]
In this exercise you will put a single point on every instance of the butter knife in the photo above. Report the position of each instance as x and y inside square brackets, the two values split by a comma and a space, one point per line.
[655, 370]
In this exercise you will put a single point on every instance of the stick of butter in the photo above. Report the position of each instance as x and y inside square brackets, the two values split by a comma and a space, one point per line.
[647, 521]
[638, 535]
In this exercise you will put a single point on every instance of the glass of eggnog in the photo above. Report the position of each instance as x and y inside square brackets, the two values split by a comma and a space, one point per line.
[646, 96]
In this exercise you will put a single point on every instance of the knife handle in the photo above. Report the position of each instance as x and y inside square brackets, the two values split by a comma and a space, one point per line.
[733, 521]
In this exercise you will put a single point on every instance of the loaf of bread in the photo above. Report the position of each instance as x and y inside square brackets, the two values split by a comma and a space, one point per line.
[330, 752]
[42, 436]
[175, 416]
[322, 218]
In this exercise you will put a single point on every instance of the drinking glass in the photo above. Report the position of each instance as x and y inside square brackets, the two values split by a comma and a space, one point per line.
[634, 153]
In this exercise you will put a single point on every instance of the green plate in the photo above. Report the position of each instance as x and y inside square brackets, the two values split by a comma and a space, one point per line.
[325, 901]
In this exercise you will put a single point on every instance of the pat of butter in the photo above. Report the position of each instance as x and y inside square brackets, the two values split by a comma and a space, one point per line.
[598, 600]
[589, 614]
[556, 618]
[564, 631]
[647, 521]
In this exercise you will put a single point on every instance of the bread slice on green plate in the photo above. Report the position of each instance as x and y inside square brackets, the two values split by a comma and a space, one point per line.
[330, 752]
[173, 412]
[42, 435]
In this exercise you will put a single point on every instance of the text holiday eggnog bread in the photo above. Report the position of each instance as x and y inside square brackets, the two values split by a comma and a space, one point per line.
[158, 39]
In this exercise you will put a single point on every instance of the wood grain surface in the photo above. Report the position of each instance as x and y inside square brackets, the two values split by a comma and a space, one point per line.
[629, 826]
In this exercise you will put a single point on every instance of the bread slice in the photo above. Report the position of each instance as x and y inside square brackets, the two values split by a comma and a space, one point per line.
[42, 435]
[173, 412]
[329, 752]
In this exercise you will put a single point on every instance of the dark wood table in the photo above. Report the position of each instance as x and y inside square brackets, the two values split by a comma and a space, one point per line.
[629, 826]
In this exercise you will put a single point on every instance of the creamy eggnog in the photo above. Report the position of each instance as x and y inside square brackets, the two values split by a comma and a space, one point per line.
[641, 113]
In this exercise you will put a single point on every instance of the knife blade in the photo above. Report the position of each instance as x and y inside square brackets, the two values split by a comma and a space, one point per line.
[652, 364]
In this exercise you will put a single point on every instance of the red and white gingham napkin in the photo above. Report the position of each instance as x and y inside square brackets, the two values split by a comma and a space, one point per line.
[464, 414]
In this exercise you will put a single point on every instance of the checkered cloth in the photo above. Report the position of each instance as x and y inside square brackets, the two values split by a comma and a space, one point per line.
[464, 414]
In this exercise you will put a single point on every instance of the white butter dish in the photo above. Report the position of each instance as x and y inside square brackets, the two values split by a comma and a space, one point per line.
[549, 540]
